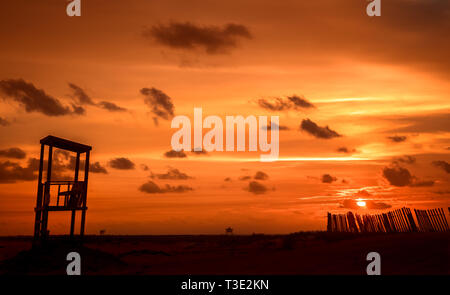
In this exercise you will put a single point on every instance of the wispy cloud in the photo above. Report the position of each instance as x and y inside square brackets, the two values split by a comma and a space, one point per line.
[256, 188]
[173, 174]
[151, 187]
[443, 165]
[15, 153]
[161, 104]
[397, 138]
[293, 102]
[34, 99]
[189, 36]
[399, 176]
[83, 98]
[175, 154]
[121, 164]
[317, 131]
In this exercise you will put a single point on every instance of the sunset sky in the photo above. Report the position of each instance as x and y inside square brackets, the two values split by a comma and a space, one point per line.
[363, 104]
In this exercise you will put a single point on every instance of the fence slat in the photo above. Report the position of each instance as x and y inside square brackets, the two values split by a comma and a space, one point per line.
[395, 221]
[444, 218]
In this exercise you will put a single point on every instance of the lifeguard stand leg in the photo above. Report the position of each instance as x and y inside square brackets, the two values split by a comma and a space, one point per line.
[47, 193]
[72, 220]
[37, 221]
[86, 176]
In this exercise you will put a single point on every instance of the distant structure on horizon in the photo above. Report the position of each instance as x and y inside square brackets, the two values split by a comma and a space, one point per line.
[70, 195]
[229, 231]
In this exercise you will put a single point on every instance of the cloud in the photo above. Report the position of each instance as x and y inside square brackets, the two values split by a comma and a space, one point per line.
[110, 106]
[327, 178]
[97, 168]
[300, 102]
[11, 172]
[280, 127]
[15, 153]
[227, 179]
[244, 178]
[397, 138]
[399, 176]
[61, 163]
[4, 122]
[256, 188]
[199, 153]
[34, 99]
[363, 193]
[352, 204]
[188, 36]
[175, 154]
[377, 205]
[430, 123]
[173, 173]
[82, 98]
[317, 131]
[346, 150]
[160, 103]
[152, 188]
[279, 104]
[422, 183]
[121, 164]
[144, 167]
[349, 204]
[176, 188]
[442, 192]
[443, 165]
[78, 110]
[405, 160]
[261, 176]
[80, 95]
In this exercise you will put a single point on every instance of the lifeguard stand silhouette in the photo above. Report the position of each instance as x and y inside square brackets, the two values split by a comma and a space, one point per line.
[71, 195]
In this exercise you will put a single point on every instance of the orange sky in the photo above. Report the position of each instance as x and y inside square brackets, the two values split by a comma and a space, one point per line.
[381, 83]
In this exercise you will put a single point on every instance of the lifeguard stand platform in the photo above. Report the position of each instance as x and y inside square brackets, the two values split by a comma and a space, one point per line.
[71, 195]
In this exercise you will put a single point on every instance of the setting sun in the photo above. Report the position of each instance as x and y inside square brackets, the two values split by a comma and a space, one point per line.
[361, 203]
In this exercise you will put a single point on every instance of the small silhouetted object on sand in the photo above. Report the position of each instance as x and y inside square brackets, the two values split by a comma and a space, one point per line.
[229, 231]
[71, 196]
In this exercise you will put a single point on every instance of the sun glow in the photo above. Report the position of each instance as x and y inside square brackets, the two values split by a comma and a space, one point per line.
[361, 203]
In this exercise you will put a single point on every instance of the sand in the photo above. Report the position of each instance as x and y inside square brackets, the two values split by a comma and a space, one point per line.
[301, 253]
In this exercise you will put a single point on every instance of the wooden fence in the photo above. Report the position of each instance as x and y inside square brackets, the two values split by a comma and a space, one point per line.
[399, 220]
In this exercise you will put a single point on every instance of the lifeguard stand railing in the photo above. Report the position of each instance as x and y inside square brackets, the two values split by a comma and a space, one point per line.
[70, 196]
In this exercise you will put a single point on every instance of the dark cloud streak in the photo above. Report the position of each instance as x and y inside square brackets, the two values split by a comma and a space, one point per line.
[188, 36]
[152, 188]
[443, 165]
[14, 153]
[121, 164]
[160, 103]
[34, 99]
[317, 131]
